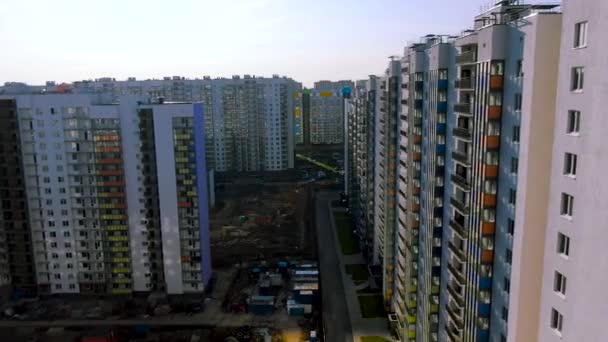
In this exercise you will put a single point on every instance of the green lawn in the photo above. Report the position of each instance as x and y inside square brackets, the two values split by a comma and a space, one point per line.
[373, 339]
[348, 240]
[372, 306]
[358, 272]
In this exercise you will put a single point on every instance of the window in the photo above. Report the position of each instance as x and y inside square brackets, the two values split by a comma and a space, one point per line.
[559, 283]
[58, 286]
[577, 79]
[515, 133]
[556, 320]
[563, 244]
[72, 286]
[574, 122]
[520, 68]
[567, 204]
[514, 164]
[505, 313]
[570, 164]
[517, 101]
[510, 226]
[512, 196]
[506, 285]
[580, 34]
[508, 256]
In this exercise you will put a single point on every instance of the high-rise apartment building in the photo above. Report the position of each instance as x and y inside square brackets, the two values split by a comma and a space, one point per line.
[386, 133]
[249, 122]
[428, 74]
[361, 156]
[466, 226]
[326, 112]
[92, 178]
[558, 290]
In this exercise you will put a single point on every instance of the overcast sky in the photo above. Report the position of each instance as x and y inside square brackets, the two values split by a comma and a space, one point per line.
[68, 40]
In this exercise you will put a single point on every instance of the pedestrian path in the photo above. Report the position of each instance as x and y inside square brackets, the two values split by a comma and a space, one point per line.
[360, 326]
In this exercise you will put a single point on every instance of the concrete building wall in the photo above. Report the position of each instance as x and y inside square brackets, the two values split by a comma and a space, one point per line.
[583, 306]
[540, 70]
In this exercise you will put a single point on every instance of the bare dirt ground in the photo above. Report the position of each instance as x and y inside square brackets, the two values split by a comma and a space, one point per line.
[260, 222]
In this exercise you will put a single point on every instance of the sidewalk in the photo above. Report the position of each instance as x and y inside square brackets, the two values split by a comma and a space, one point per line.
[360, 326]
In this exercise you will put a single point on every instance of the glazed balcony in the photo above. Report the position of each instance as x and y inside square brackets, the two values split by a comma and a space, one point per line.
[467, 57]
[465, 83]
[464, 108]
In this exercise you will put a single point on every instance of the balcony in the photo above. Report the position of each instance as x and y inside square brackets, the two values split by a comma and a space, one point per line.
[465, 83]
[494, 112]
[461, 181]
[463, 133]
[483, 310]
[491, 171]
[461, 157]
[487, 256]
[455, 294]
[457, 251]
[488, 228]
[496, 82]
[456, 273]
[492, 142]
[417, 156]
[458, 228]
[463, 208]
[466, 57]
[464, 108]
[418, 103]
[417, 138]
[489, 200]
[418, 85]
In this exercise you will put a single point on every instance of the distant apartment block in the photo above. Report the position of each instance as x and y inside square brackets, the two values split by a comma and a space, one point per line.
[112, 198]
[249, 122]
[361, 155]
[326, 112]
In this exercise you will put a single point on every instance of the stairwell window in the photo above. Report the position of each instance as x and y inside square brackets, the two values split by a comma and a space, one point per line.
[567, 205]
[563, 244]
[570, 161]
[574, 122]
[577, 79]
[580, 34]
[557, 321]
[559, 283]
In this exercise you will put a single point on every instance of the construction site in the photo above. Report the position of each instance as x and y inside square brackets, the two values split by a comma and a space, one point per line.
[255, 221]
[265, 285]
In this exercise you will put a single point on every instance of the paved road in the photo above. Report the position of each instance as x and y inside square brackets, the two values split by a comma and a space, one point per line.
[335, 312]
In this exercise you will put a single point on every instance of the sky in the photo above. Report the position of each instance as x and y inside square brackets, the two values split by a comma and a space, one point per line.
[69, 40]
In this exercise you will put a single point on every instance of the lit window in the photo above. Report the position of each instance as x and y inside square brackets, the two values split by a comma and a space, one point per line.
[580, 34]
[567, 205]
